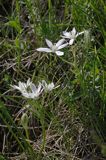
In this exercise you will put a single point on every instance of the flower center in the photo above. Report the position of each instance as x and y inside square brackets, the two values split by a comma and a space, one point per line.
[54, 48]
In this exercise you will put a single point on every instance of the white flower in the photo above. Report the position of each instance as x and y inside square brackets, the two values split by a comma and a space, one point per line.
[34, 92]
[54, 48]
[29, 90]
[22, 86]
[72, 35]
[47, 87]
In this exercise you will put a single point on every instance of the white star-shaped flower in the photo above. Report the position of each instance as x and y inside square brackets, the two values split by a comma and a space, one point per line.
[54, 48]
[29, 90]
[72, 35]
[47, 87]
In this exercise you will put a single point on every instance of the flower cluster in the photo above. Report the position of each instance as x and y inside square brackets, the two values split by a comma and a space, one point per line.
[55, 48]
[30, 90]
[71, 36]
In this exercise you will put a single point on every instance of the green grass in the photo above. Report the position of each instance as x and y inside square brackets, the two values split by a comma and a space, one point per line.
[69, 122]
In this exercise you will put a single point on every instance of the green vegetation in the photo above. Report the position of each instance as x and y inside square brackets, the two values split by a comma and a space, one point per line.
[69, 122]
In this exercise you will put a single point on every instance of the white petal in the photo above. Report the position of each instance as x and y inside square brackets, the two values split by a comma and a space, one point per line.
[49, 43]
[73, 31]
[60, 42]
[40, 89]
[15, 87]
[28, 82]
[33, 88]
[66, 34]
[64, 37]
[50, 86]
[28, 95]
[31, 95]
[71, 41]
[62, 46]
[22, 86]
[44, 50]
[79, 33]
[25, 94]
[59, 53]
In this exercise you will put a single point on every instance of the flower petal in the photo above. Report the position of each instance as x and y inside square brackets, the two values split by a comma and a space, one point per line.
[60, 42]
[79, 33]
[28, 82]
[25, 94]
[59, 53]
[22, 86]
[66, 34]
[39, 89]
[33, 88]
[71, 41]
[49, 43]
[73, 31]
[44, 50]
[50, 86]
[15, 87]
[28, 95]
[62, 46]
